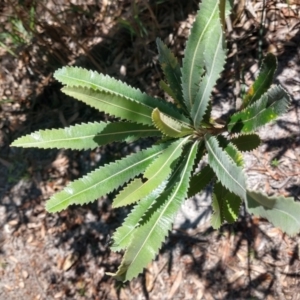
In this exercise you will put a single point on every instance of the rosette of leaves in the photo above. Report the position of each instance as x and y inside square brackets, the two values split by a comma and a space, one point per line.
[158, 179]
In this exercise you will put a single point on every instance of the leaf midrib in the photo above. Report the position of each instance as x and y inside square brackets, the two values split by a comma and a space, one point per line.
[167, 204]
[92, 135]
[213, 153]
[112, 104]
[275, 208]
[117, 106]
[195, 53]
[260, 86]
[254, 117]
[93, 85]
[209, 78]
[158, 171]
[114, 175]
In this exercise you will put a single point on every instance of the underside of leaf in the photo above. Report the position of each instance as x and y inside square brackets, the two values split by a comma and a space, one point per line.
[282, 212]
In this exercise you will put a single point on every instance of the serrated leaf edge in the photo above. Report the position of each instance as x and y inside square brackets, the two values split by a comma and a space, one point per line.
[119, 83]
[259, 73]
[172, 195]
[36, 135]
[197, 120]
[189, 101]
[255, 103]
[180, 145]
[86, 177]
[244, 134]
[206, 137]
[180, 129]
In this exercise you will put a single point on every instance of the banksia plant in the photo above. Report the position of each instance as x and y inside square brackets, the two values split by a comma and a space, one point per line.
[157, 180]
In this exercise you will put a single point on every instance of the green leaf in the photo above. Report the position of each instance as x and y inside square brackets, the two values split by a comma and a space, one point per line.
[246, 142]
[123, 198]
[148, 237]
[169, 126]
[113, 105]
[233, 204]
[228, 173]
[86, 136]
[154, 175]
[217, 217]
[231, 150]
[171, 69]
[282, 212]
[78, 77]
[225, 204]
[272, 104]
[214, 57]
[103, 180]
[263, 81]
[123, 235]
[200, 180]
[201, 41]
[207, 116]
[165, 87]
